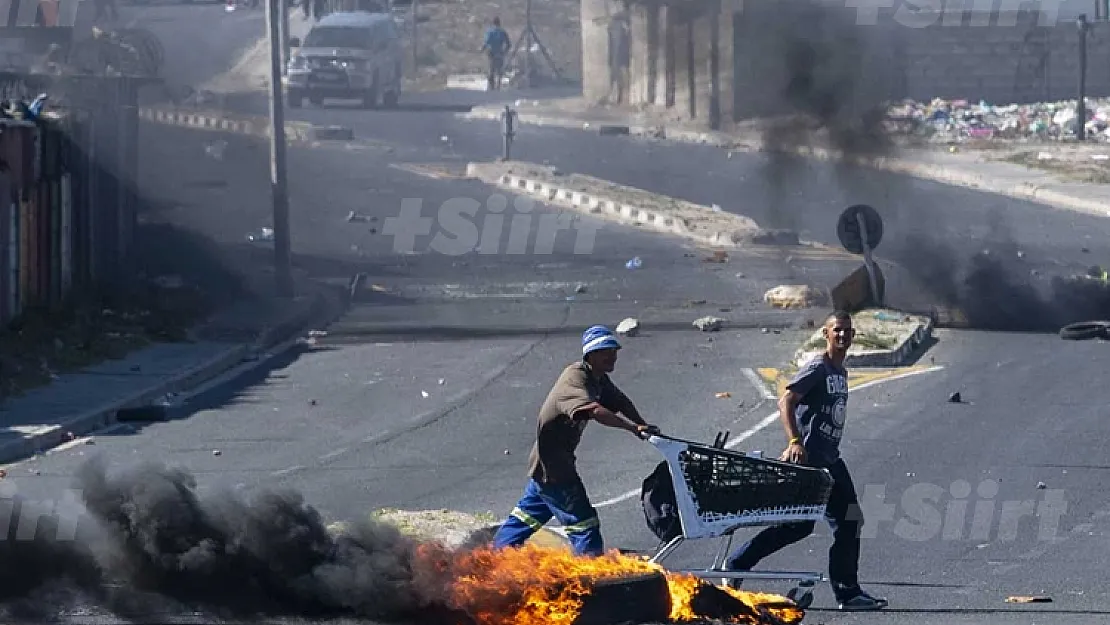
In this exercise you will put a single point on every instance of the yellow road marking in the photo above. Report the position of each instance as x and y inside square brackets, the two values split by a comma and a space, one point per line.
[779, 378]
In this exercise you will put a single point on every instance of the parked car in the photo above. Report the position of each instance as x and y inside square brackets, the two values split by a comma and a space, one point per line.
[348, 55]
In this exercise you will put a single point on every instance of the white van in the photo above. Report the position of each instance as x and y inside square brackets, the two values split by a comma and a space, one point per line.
[354, 55]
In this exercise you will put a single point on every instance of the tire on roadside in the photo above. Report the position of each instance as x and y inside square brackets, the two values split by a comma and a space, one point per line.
[641, 598]
[1085, 330]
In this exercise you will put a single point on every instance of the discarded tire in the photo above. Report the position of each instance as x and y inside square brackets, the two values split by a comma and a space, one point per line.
[642, 598]
[1085, 330]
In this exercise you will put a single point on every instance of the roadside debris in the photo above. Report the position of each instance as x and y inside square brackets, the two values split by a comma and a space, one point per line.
[628, 327]
[955, 398]
[354, 217]
[709, 324]
[216, 149]
[217, 452]
[1041, 486]
[793, 296]
[1034, 599]
[635, 263]
[718, 256]
[724, 395]
[581, 288]
[943, 121]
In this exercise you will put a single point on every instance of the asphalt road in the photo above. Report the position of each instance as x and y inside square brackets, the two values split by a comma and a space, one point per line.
[349, 425]
[201, 39]
[372, 439]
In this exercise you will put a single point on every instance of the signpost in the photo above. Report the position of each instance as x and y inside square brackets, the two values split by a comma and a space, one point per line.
[860, 230]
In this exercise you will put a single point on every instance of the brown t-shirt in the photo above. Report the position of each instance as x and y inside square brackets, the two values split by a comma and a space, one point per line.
[558, 432]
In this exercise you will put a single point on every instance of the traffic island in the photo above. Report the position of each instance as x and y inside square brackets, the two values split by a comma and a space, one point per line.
[628, 205]
[884, 338]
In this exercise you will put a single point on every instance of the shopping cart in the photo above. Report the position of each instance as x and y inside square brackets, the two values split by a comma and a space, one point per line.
[717, 492]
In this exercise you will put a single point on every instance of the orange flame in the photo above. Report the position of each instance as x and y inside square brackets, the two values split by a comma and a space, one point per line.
[534, 585]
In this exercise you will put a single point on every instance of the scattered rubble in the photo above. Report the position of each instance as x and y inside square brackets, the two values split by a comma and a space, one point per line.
[628, 327]
[1034, 599]
[794, 296]
[709, 324]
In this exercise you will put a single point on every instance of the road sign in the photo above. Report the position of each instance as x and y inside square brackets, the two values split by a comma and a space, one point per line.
[853, 222]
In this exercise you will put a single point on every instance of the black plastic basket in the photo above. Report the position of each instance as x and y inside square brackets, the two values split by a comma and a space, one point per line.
[731, 483]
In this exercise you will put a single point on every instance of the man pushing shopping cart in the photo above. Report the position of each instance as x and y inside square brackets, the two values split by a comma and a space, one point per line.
[583, 393]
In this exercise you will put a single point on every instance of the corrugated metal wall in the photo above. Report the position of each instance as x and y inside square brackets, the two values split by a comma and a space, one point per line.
[67, 201]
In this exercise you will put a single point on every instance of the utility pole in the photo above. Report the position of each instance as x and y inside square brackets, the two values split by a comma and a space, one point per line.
[284, 35]
[415, 48]
[1081, 101]
[283, 271]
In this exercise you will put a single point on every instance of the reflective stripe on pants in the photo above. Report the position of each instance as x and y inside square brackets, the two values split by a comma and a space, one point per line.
[540, 503]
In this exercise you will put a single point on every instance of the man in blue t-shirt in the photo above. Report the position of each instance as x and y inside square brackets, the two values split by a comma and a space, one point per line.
[496, 45]
[813, 410]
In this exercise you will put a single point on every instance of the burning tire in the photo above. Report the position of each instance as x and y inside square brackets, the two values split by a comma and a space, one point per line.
[1085, 330]
[641, 598]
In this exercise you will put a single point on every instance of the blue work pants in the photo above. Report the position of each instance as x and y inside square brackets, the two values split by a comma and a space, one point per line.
[569, 503]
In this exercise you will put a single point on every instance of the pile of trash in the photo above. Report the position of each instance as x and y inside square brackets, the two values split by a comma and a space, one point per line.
[953, 121]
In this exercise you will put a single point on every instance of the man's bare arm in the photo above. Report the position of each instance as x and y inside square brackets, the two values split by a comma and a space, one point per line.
[788, 403]
[628, 409]
[608, 418]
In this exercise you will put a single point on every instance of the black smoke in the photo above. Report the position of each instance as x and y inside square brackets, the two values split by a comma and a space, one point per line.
[827, 82]
[831, 82]
[998, 289]
[155, 544]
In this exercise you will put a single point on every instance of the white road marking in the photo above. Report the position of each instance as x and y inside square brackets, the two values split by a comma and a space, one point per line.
[758, 383]
[287, 471]
[333, 454]
[771, 418]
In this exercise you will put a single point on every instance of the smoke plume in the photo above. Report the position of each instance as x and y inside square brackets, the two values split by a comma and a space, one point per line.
[997, 289]
[833, 81]
[827, 82]
[156, 544]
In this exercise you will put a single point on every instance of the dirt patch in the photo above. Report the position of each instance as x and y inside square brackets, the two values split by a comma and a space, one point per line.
[449, 527]
[181, 280]
[449, 34]
[43, 344]
[1077, 165]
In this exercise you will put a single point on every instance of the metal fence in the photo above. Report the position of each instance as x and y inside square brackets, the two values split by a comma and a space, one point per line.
[67, 194]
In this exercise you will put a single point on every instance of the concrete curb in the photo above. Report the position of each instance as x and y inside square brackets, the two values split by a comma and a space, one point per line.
[925, 171]
[620, 211]
[253, 126]
[105, 415]
[895, 357]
